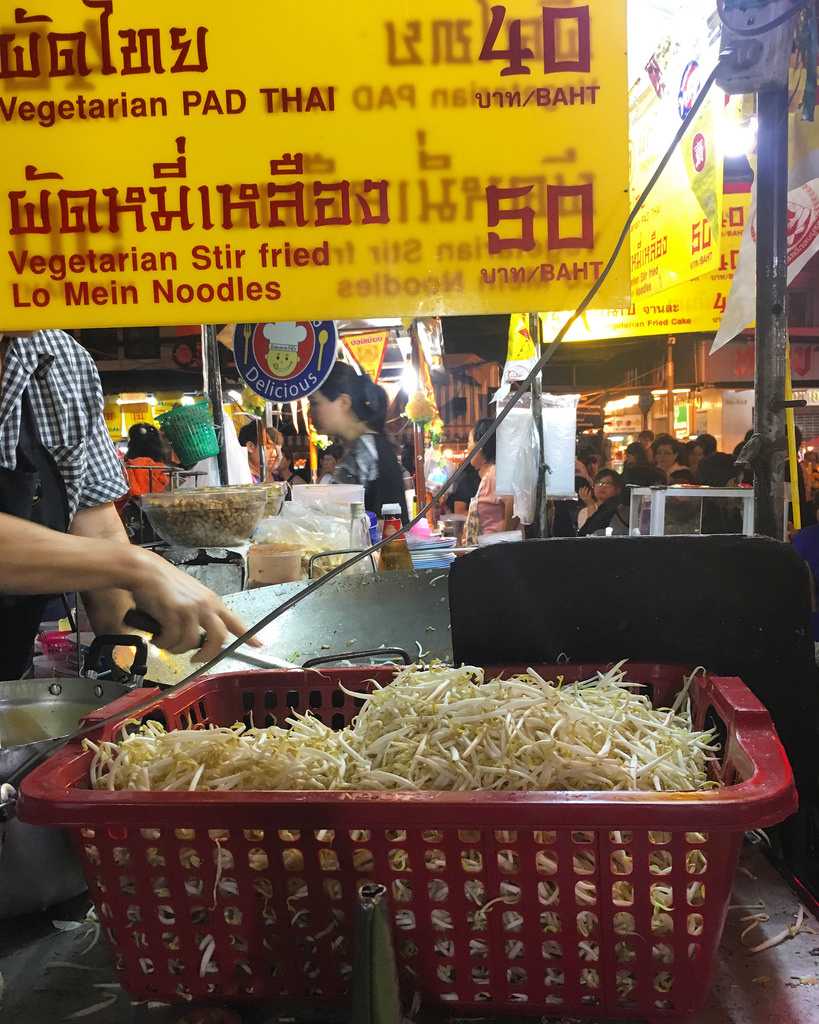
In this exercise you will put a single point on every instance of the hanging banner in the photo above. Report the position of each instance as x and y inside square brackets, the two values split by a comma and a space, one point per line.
[167, 163]
[368, 350]
[520, 346]
[284, 362]
[694, 307]
[675, 238]
[803, 244]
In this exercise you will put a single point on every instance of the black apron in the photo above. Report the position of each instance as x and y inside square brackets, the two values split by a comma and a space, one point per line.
[34, 491]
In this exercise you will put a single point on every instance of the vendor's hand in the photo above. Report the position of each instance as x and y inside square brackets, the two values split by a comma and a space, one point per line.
[184, 608]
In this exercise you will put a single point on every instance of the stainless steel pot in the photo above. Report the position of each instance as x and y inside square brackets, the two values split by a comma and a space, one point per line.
[38, 868]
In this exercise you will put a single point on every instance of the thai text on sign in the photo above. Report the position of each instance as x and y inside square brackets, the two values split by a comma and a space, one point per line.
[308, 161]
[693, 307]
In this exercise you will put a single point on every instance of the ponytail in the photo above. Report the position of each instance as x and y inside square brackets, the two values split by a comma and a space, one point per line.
[367, 399]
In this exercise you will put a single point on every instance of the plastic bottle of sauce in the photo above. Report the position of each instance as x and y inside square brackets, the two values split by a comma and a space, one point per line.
[395, 556]
[359, 527]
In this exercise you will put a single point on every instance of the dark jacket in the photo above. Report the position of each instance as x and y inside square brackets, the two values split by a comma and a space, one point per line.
[601, 518]
[388, 487]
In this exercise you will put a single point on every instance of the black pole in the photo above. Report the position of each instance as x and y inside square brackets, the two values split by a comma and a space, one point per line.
[212, 373]
[541, 501]
[771, 312]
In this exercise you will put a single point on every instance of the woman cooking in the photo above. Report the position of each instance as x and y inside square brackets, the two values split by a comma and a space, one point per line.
[351, 407]
[488, 512]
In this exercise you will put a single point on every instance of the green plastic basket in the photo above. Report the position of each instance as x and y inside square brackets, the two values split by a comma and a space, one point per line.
[190, 430]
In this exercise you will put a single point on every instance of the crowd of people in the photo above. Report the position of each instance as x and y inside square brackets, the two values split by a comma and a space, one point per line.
[650, 461]
[351, 409]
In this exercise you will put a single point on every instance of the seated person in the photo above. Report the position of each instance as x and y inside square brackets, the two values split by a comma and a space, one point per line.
[271, 439]
[284, 470]
[146, 461]
[635, 455]
[602, 503]
[328, 462]
[667, 454]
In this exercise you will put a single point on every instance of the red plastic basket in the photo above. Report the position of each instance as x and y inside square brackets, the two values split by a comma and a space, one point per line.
[281, 909]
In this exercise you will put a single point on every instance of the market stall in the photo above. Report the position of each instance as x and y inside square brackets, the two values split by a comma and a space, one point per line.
[460, 823]
[554, 831]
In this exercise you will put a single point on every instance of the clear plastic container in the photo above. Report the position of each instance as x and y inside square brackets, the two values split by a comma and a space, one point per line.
[276, 494]
[269, 564]
[207, 517]
[359, 527]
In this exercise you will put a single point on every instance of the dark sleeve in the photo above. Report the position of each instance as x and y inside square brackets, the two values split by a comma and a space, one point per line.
[465, 489]
[388, 487]
[598, 521]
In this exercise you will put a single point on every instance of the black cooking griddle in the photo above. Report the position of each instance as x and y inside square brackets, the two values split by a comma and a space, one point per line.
[737, 605]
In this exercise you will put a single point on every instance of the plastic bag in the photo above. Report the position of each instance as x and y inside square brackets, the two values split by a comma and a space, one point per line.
[328, 499]
[313, 532]
[518, 452]
[517, 460]
[560, 442]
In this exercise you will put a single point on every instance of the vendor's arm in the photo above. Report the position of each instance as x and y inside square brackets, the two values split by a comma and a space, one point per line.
[34, 560]
[106, 608]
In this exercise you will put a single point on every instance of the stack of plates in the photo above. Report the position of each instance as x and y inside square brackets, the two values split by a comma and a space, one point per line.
[436, 553]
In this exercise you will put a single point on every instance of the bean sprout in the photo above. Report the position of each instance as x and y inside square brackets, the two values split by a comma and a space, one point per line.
[437, 728]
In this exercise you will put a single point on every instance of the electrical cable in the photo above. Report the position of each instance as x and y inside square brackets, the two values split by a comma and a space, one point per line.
[761, 30]
[544, 360]
[454, 477]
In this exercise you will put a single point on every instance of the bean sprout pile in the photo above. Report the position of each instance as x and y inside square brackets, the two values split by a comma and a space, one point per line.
[438, 729]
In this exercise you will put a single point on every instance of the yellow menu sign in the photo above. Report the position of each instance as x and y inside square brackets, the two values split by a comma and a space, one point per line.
[694, 307]
[174, 163]
[675, 237]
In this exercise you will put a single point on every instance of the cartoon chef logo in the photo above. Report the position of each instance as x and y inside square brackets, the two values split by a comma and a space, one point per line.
[285, 361]
[284, 348]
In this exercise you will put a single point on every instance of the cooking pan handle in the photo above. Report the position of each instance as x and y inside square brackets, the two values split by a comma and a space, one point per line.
[103, 647]
[396, 652]
[142, 621]
[146, 623]
[122, 706]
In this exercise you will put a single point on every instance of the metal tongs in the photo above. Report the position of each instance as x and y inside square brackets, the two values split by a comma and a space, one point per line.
[99, 661]
[146, 624]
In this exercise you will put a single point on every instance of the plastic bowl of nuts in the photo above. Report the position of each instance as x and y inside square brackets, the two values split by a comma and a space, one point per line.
[207, 517]
[276, 494]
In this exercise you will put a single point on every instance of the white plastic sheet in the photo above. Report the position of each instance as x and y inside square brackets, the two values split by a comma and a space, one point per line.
[518, 454]
[559, 434]
[237, 463]
[517, 460]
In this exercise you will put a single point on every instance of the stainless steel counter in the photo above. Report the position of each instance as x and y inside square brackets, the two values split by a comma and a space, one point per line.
[352, 613]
